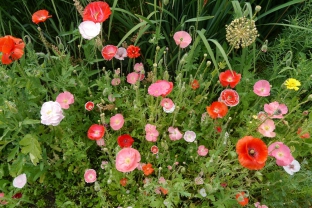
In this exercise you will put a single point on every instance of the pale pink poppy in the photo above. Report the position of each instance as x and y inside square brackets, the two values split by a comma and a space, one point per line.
[65, 99]
[182, 39]
[138, 67]
[170, 110]
[127, 159]
[202, 150]
[109, 51]
[121, 53]
[150, 128]
[262, 88]
[258, 205]
[117, 121]
[281, 152]
[90, 176]
[100, 142]
[167, 103]
[132, 77]
[267, 128]
[189, 136]
[89, 105]
[162, 180]
[175, 134]
[275, 110]
[111, 98]
[20, 181]
[115, 81]
[151, 136]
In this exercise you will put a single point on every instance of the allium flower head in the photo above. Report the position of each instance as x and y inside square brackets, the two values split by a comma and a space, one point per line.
[65, 99]
[182, 39]
[292, 168]
[242, 32]
[292, 84]
[20, 181]
[90, 176]
[262, 88]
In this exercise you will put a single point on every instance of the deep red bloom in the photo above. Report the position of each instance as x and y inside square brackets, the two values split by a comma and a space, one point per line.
[229, 97]
[242, 200]
[219, 129]
[133, 51]
[303, 135]
[217, 110]
[17, 196]
[89, 105]
[229, 78]
[169, 89]
[96, 132]
[195, 84]
[125, 140]
[123, 182]
[40, 16]
[252, 152]
[147, 169]
[96, 12]
[12, 48]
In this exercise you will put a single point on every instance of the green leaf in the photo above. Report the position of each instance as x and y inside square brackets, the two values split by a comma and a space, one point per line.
[30, 121]
[12, 153]
[197, 19]
[31, 145]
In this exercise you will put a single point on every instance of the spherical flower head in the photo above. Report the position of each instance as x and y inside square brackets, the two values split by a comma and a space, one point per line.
[154, 149]
[65, 99]
[229, 97]
[241, 198]
[170, 110]
[189, 136]
[116, 122]
[132, 77]
[127, 159]
[121, 54]
[275, 110]
[89, 29]
[96, 132]
[97, 12]
[138, 67]
[252, 152]
[51, 113]
[90, 176]
[20, 181]
[182, 39]
[167, 103]
[147, 169]
[40, 16]
[217, 110]
[292, 168]
[292, 84]
[125, 140]
[229, 77]
[281, 152]
[262, 88]
[11, 48]
[89, 105]
[202, 151]
[109, 51]
[267, 128]
[133, 51]
[115, 81]
[174, 133]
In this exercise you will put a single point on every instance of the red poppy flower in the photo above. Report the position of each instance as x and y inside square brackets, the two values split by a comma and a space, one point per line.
[154, 149]
[169, 84]
[147, 169]
[12, 48]
[163, 190]
[123, 182]
[252, 152]
[229, 78]
[109, 51]
[96, 12]
[219, 129]
[125, 140]
[17, 196]
[89, 105]
[96, 132]
[217, 110]
[133, 51]
[40, 16]
[241, 199]
[195, 84]
[229, 97]
[304, 135]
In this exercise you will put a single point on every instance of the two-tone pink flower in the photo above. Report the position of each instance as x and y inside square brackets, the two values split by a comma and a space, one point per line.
[174, 133]
[281, 152]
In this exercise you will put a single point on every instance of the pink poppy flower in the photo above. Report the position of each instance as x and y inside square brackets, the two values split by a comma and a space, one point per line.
[150, 128]
[262, 88]
[20, 181]
[182, 39]
[167, 103]
[202, 150]
[89, 105]
[2, 201]
[90, 176]
[275, 110]
[115, 81]
[65, 99]
[100, 142]
[165, 84]
[160, 88]
[267, 128]
[109, 51]
[111, 98]
[154, 149]
[141, 76]
[127, 159]
[121, 53]
[138, 67]
[175, 134]
[116, 122]
[170, 110]
[281, 152]
[229, 97]
[258, 205]
[162, 180]
[132, 77]
[151, 136]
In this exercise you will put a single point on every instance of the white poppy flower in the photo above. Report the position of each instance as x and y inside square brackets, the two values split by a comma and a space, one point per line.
[20, 181]
[293, 167]
[51, 113]
[89, 29]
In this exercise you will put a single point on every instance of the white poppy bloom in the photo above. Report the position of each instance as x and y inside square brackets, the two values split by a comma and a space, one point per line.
[51, 113]
[89, 29]
[189, 136]
[170, 110]
[20, 181]
[293, 167]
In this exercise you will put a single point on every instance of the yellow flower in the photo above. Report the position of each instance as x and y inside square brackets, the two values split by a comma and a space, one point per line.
[292, 84]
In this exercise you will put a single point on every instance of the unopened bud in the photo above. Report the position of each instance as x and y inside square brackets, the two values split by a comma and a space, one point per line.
[208, 63]
[258, 8]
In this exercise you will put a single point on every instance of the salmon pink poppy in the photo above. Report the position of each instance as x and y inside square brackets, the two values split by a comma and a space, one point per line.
[123, 182]
[303, 135]
[65, 99]
[168, 87]
[229, 78]
[96, 12]
[132, 77]
[90, 176]
[182, 39]
[109, 51]
[217, 110]
[127, 159]
[147, 169]
[174, 133]
[125, 140]
[241, 198]
[96, 132]
[202, 151]
[117, 121]
[252, 152]
[133, 51]
[229, 97]
[11, 48]
[195, 84]
[40, 16]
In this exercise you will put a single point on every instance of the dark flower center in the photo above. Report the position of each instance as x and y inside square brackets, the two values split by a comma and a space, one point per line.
[251, 152]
